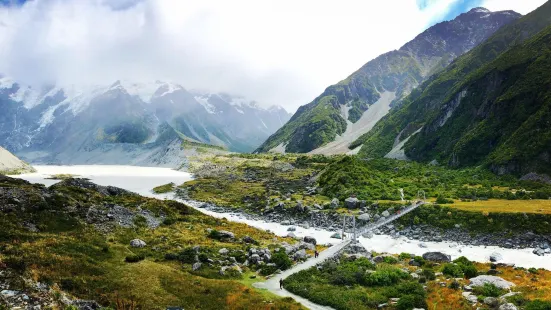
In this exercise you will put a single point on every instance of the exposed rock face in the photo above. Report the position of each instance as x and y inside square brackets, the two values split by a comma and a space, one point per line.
[126, 122]
[351, 202]
[438, 257]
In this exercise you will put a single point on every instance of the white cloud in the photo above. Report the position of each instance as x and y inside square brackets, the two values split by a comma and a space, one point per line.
[274, 51]
[520, 6]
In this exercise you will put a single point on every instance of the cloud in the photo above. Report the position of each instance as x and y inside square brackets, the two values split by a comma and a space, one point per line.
[274, 51]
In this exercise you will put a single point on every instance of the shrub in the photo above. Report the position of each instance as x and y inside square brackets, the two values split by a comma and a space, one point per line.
[214, 234]
[488, 290]
[409, 302]
[134, 258]
[385, 276]
[469, 271]
[463, 260]
[390, 260]
[282, 260]
[533, 270]
[452, 270]
[420, 260]
[429, 274]
[442, 200]
[404, 256]
[518, 300]
[454, 285]
[187, 256]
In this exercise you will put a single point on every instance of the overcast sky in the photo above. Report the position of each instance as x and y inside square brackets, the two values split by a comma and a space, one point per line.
[283, 52]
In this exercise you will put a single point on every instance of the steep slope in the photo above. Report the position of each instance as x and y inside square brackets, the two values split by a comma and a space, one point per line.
[476, 109]
[126, 123]
[397, 73]
[9, 164]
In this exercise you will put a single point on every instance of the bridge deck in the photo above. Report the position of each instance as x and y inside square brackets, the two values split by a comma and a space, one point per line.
[389, 219]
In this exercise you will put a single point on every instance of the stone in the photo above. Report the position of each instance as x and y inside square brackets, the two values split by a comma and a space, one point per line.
[196, 266]
[248, 239]
[291, 235]
[495, 257]
[351, 202]
[437, 257]
[364, 217]
[292, 228]
[223, 251]
[306, 246]
[334, 203]
[368, 235]
[255, 258]
[224, 234]
[491, 301]
[318, 207]
[385, 213]
[299, 255]
[422, 245]
[472, 299]
[414, 276]
[508, 306]
[311, 240]
[137, 243]
[497, 281]
[413, 262]
[539, 252]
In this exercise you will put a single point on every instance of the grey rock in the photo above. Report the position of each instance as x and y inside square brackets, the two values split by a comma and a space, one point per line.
[508, 306]
[334, 203]
[224, 234]
[495, 257]
[437, 257]
[336, 236]
[248, 239]
[385, 213]
[351, 202]
[300, 255]
[497, 281]
[311, 240]
[491, 301]
[223, 251]
[137, 243]
[196, 266]
[364, 217]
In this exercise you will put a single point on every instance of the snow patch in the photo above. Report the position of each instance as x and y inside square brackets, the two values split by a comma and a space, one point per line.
[143, 90]
[169, 88]
[204, 101]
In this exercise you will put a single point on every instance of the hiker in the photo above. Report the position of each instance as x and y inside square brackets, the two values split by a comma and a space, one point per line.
[316, 254]
[280, 284]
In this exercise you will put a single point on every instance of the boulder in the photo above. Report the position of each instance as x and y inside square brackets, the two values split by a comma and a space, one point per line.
[491, 301]
[307, 246]
[413, 262]
[299, 207]
[224, 234]
[495, 257]
[292, 228]
[300, 255]
[368, 235]
[364, 217]
[223, 251]
[137, 243]
[318, 207]
[385, 213]
[334, 203]
[291, 235]
[248, 239]
[497, 281]
[255, 258]
[437, 257]
[311, 240]
[539, 252]
[196, 266]
[422, 245]
[351, 202]
[508, 306]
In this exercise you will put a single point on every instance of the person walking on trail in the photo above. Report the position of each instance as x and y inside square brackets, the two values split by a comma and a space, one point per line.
[280, 284]
[316, 254]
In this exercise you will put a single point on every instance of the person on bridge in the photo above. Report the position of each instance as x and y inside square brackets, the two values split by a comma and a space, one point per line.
[280, 284]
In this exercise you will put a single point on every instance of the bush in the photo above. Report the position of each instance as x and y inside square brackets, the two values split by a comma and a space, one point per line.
[454, 285]
[463, 260]
[429, 274]
[488, 290]
[134, 258]
[390, 260]
[385, 276]
[409, 302]
[469, 271]
[404, 256]
[420, 260]
[452, 270]
[282, 260]
[187, 256]
[442, 200]
[533, 270]
[214, 234]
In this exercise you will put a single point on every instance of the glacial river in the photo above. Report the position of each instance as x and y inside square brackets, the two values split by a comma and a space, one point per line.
[142, 179]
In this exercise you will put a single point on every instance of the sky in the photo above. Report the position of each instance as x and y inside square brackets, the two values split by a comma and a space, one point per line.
[283, 52]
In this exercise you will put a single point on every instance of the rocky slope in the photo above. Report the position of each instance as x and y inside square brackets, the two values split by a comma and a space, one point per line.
[490, 106]
[9, 164]
[397, 72]
[126, 122]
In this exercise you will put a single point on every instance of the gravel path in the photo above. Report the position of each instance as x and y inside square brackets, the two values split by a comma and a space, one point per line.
[273, 284]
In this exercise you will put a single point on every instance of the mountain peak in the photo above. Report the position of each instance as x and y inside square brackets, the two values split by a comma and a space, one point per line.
[479, 10]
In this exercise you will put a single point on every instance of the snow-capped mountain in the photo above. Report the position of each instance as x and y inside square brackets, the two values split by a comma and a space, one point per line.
[76, 124]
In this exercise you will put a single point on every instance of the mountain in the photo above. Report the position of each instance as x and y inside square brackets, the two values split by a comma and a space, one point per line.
[126, 122]
[350, 108]
[9, 164]
[490, 106]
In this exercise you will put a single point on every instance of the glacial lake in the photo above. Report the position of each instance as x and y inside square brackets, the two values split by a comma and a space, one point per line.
[142, 180]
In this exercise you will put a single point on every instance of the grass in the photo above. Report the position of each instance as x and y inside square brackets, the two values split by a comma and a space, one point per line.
[90, 264]
[163, 189]
[539, 206]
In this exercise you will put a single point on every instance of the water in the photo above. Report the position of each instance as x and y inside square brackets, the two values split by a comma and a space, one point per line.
[142, 179]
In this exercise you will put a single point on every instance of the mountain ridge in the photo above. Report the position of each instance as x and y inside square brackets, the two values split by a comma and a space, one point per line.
[399, 71]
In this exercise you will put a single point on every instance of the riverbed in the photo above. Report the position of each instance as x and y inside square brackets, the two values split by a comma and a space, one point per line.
[141, 180]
